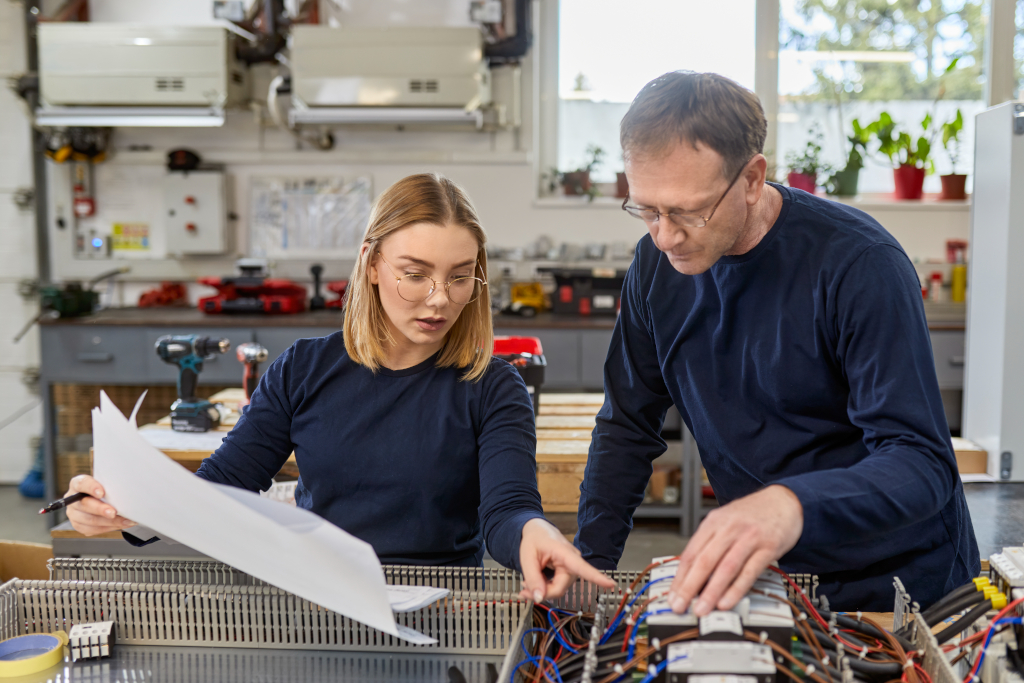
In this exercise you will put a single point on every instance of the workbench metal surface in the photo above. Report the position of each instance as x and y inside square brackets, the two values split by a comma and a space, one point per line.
[137, 663]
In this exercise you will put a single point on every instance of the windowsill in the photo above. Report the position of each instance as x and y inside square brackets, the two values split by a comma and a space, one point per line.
[881, 200]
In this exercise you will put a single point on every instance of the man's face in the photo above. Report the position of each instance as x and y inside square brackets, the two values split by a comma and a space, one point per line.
[688, 180]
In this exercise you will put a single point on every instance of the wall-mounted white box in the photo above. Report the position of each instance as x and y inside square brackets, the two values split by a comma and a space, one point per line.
[196, 213]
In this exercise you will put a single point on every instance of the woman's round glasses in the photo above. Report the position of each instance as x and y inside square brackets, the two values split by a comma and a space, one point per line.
[414, 287]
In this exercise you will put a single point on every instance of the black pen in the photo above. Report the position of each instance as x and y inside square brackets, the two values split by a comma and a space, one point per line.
[63, 502]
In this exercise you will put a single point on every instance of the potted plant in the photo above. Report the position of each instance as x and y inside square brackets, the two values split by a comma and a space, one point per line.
[578, 182]
[844, 182]
[909, 158]
[953, 184]
[804, 166]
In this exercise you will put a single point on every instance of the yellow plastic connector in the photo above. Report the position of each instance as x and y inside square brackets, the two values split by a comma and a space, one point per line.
[998, 601]
[981, 582]
[989, 591]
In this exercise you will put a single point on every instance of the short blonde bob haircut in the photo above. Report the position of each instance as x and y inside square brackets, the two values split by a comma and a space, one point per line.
[421, 198]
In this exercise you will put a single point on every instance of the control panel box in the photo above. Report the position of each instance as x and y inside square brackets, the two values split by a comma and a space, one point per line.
[100, 64]
[195, 213]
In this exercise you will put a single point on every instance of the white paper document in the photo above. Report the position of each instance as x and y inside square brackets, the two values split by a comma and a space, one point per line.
[412, 598]
[286, 546]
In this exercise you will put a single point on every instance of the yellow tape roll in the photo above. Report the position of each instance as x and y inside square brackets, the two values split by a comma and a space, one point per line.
[24, 655]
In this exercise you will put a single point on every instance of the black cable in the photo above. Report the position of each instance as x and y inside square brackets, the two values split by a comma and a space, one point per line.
[963, 622]
[952, 608]
[956, 594]
[847, 621]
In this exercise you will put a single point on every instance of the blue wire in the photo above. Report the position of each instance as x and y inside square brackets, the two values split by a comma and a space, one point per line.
[558, 636]
[615, 624]
[991, 632]
[522, 641]
[636, 629]
[651, 675]
[536, 660]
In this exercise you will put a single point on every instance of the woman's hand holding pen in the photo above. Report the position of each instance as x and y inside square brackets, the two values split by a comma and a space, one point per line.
[91, 516]
[544, 546]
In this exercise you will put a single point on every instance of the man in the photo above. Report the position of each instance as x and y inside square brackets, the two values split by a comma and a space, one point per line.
[790, 333]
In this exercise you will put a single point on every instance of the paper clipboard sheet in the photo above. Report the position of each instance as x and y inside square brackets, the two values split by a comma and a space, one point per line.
[288, 547]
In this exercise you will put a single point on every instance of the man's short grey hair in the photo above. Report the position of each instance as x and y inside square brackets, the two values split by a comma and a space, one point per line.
[705, 108]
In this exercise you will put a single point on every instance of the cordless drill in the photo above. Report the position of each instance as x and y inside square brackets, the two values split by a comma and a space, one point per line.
[250, 355]
[188, 351]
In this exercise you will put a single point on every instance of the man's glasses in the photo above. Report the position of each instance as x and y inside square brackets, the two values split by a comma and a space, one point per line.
[414, 287]
[682, 220]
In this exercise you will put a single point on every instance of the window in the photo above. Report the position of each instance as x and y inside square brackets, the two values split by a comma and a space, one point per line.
[841, 60]
[609, 49]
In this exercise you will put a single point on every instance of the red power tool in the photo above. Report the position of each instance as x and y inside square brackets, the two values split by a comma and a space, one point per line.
[250, 355]
[253, 292]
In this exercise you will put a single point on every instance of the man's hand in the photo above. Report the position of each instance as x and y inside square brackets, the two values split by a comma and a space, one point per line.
[733, 545]
[91, 516]
[544, 546]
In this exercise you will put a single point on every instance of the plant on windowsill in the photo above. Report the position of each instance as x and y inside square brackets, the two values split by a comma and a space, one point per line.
[910, 158]
[953, 184]
[805, 166]
[577, 182]
[844, 183]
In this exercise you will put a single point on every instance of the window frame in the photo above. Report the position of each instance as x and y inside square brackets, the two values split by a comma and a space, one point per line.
[999, 65]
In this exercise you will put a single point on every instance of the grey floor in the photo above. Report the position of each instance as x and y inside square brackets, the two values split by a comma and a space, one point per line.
[997, 511]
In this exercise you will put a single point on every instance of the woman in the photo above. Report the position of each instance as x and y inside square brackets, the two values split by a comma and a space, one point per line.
[408, 434]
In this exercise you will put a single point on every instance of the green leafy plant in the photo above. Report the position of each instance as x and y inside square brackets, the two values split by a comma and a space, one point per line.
[899, 146]
[808, 161]
[578, 179]
[951, 138]
[858, 146]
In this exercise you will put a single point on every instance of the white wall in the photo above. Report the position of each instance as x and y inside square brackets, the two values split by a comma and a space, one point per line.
[17, 257]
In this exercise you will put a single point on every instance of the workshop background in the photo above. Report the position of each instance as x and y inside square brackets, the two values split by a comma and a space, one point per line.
[149, 145]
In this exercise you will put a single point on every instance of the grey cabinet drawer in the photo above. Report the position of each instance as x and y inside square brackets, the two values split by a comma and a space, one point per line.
[593, 352]
[96, 354]
[278, 339]
[223, 368]
[948, 349]
[562, 352]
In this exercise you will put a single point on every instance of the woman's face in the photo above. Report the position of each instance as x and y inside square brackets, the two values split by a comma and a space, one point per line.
[433, 251]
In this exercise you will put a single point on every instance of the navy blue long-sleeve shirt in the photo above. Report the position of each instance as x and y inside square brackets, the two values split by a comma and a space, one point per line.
[411, 461]
[805, 362]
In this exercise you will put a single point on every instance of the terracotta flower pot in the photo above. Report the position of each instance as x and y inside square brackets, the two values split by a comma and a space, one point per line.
[909, 181]
[576, 182]
[954, 186]
[621, 186]
[802, 181]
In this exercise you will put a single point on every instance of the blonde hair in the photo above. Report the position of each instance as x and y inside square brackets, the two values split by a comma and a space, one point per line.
[421, 198]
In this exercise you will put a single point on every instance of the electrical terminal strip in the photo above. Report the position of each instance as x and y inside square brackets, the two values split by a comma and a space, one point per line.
[91, 641]
[1006, 568]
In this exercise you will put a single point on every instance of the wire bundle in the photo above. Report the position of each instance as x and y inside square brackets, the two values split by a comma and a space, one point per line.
[821, 639]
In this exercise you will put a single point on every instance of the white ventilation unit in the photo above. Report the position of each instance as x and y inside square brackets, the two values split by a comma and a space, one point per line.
[387, 75]
[158, 74]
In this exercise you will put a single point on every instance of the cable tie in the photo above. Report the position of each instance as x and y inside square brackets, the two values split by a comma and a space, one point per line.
[863, 653]
[810, 670]
[629, 621]
[825, 662]
[618, 669]
[909, 664]
[629, 591]
[656, 643]
[802, 616]
[860, 616]
[763, 637]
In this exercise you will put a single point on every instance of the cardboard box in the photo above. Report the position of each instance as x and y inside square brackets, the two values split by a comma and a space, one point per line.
[970, 457]
[24, 561]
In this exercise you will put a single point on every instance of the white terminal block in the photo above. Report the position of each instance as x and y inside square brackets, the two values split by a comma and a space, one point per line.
[195, 213]
[91, 641]
[704, 657]
[755, 611]
[1009, 566]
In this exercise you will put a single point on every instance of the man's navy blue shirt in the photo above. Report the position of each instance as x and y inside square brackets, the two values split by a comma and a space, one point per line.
[805, 362]
[415, 462]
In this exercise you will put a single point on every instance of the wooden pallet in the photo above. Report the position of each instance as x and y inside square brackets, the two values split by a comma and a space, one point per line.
[564, 429]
